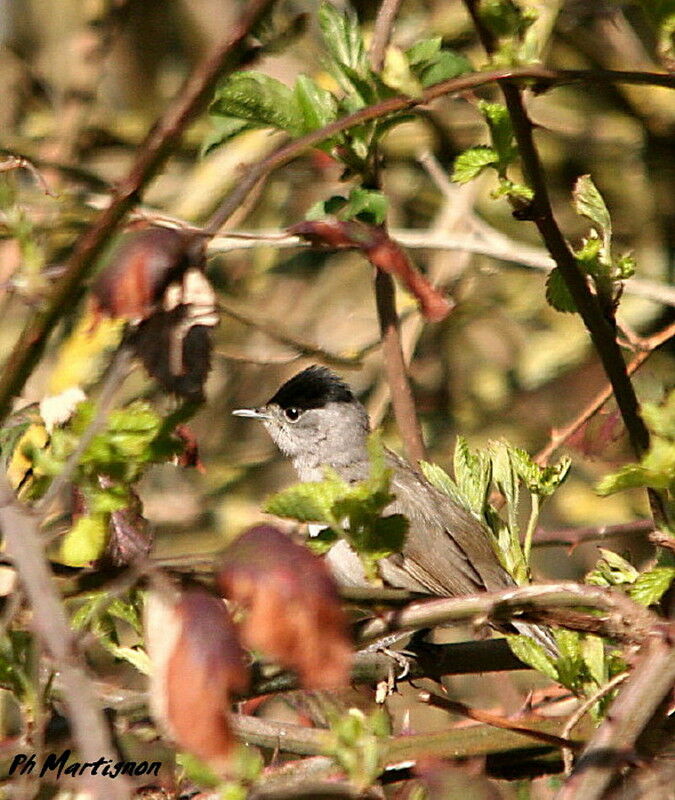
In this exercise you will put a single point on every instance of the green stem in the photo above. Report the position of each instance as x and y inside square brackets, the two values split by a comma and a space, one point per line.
[535, 508]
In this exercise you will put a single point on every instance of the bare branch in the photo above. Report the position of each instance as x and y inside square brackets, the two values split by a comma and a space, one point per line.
[561, 435]
[162, 138]
[623, 619]
[612, 745]
[90, 730]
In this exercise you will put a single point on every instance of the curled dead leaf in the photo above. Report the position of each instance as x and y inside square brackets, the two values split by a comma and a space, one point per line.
[197, 662]
[382, 252]
[293, 608]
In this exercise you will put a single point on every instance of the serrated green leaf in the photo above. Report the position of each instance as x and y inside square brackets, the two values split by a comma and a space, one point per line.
[308, 502]
[469, 164]
[85, 542]
[593, 652]
[424, 50]
[323, 541]
[125, 611]
[650, 586]
[342, 36]
[501, 131]
[366, 204]
[223, 129]
[473, 473]
[317, 105]
[260, 100]
[533, 654]
[445, 65]
[539, 480]
[612, 570]
[439, 478]
[557, 293]
[589, 203]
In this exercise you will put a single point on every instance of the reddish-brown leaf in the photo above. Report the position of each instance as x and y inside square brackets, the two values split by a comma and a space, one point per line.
[141, 267]
[382, 252]
[197, 662]
[293, 608]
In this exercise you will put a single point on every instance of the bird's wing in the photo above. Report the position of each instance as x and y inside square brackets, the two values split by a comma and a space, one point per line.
[447, 550]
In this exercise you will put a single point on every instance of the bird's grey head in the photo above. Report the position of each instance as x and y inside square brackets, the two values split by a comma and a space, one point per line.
[315, 419]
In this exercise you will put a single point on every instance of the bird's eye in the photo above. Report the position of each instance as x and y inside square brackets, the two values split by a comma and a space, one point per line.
[292, 414]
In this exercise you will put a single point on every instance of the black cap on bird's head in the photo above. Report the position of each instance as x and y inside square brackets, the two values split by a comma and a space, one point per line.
[314, 387]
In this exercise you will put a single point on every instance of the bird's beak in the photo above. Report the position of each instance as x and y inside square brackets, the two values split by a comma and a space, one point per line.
[253, 413]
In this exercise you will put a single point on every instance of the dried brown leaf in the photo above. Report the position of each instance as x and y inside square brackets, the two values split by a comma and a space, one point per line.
[293, 608]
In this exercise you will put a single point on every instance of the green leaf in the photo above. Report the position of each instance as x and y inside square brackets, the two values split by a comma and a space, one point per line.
[439, 478]
[398, 75]
[501, 131]
[589, 203]
[612, 570]
[557, 293]
[197, 771]
[323, 541]
[593, 652]
[469, 164]
[447, 64]
[317, 105]
[308, 502]
[506, 17]
[542, 481]
[137, 657]
[261, 100]
[533, 654]
[342, 36]
[222, 130]
[366, 204]
[424, 50]
[473, 472]
[650, 586]
[86, 541]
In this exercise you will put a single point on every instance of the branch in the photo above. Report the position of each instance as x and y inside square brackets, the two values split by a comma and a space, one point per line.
[613, 744]
[423, 660]
[477, 714]
[601, 328]
[49, 620]
[560, 435]
[499, 247]
[153, 152]
[623, 619]
[571, 537]
[541, 76]
[402, 399]
[384, 25]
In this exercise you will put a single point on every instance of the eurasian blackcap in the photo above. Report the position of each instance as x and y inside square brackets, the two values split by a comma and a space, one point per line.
[315, 419]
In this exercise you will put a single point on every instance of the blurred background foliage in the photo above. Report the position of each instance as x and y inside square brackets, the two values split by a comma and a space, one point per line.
[81, 82]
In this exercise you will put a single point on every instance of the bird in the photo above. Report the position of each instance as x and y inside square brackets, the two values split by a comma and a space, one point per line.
[316, 420]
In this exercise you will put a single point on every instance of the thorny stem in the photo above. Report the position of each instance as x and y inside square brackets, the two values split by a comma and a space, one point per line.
[152, 154]
[601, 327]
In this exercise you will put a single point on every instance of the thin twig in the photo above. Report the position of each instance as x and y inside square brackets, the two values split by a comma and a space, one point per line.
[542, 76]
[117, 372]
[575, 718]
[89, 727]
[571, 537]
[560, 435]
[595, 317]
[453, 706]
[384, 25]
[402, 399]
[497, 246]
[159, 143]
[613, 744]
